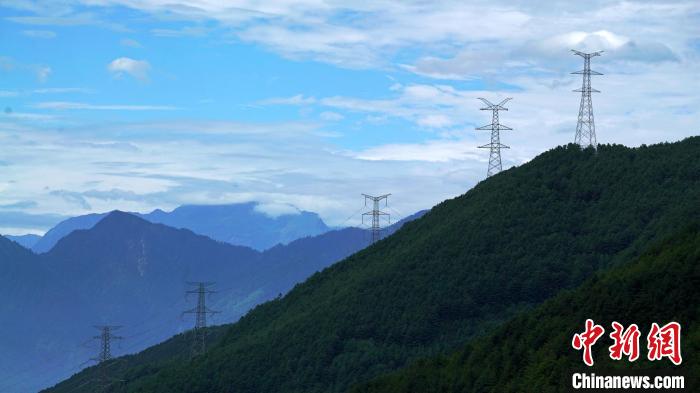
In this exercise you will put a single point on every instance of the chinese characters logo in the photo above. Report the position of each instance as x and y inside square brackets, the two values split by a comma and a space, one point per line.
[662, 342]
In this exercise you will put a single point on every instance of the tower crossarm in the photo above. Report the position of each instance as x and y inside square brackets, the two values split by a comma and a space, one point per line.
[589, 55]
[490, 127]
[584, 72]
[494, 145]
[490, 106]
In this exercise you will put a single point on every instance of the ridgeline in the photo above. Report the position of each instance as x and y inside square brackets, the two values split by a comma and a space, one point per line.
[461, 271]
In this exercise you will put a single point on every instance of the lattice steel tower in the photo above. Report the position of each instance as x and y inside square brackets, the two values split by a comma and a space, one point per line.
[585, 129]
[105, 354]
[106, 338]
[495, 127]
[199, 339]
[376, 214]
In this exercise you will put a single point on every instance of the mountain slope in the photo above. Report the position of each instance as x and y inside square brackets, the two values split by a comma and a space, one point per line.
[301, 258]
[29, 294]
[469, 264]
[63, 228]
[534, 350]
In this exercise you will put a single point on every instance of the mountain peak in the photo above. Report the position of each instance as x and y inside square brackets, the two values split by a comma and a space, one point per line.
[119, 219]
[121, 215]
[113, 225]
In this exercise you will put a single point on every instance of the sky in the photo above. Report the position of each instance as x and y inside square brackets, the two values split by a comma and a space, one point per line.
[307, 104]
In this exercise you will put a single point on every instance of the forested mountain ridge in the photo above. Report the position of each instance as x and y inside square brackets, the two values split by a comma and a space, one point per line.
[534, 349]
[467, 266]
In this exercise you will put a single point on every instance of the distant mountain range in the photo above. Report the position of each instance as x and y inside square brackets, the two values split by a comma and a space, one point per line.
[457, 276]
[127, 271]
[26, 241]
[63, 228]
[241, 224]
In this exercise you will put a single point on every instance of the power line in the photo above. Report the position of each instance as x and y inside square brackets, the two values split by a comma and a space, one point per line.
[585, 128]
[199, 338]
[495, 127]
[376, 214]
[398, 213]
[351, 216]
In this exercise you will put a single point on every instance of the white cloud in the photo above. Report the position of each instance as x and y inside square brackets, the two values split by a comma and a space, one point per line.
[427, 106]
[331, 116]
[368, 34]
[298, 99]
[137, 68]
[44, 34]
[355, 34]
[34, 117]
[432, 151]
[435, 120]
[128, 42]
[61, 90]
[48, 90]
[269, 165]
[65, 105]
[56, 13]
[42, 73]
[617, 47]
[634, 108]
[548, 55]
[188, 31]
[277, 209]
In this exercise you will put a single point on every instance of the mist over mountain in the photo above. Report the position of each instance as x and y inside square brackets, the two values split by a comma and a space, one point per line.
[242, 224]
[462, 270]
[127, 271]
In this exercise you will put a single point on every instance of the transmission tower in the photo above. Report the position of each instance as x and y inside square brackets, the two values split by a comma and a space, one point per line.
[495, 127]
[585, 129]
[106, 336]
[376, 214]
[199, 340]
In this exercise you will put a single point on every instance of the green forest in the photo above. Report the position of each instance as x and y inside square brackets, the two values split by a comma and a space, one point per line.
[458, 276]
[532, 350]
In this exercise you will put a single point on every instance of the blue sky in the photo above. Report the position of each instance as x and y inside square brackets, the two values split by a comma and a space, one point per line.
[143, 104]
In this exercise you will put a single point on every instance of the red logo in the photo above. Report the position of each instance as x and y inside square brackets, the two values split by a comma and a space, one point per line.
[662, 342]
[626, 342]
[665, 342]
[586, 340]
